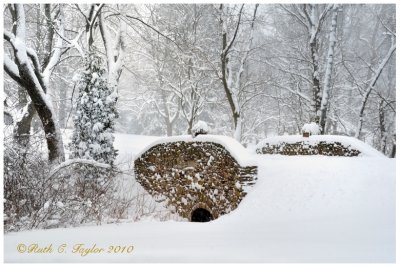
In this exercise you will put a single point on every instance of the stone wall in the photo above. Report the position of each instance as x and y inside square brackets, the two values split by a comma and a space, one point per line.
[304, 148]
[190, 175]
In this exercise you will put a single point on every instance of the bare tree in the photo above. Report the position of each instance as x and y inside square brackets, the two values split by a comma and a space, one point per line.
[230, 76]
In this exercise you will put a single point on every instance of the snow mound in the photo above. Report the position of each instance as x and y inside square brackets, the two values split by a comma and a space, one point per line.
[200, 127]
[237, 151]
[350, 142]
[311, 128]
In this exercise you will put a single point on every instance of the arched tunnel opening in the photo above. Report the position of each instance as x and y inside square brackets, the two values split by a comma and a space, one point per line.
[201, 215]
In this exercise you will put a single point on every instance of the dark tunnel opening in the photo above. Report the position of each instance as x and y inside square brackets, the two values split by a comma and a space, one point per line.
[201, 215]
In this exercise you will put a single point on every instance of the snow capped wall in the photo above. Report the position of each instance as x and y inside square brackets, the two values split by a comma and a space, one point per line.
[328, 145]
[189, 173]
[236, 150]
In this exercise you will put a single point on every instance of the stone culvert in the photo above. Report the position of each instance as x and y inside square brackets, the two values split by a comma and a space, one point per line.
[198, 176]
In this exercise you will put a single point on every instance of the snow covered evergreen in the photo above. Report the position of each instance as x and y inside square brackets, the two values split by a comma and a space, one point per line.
[95, 115]
[93, 139]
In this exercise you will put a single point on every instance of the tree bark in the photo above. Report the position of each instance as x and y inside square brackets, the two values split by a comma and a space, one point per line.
[22, 128]
[382, 128]
[47, 117]
[393, 153]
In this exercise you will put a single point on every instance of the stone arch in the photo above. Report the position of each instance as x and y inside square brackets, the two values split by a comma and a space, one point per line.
[202, 206]
[194, 175]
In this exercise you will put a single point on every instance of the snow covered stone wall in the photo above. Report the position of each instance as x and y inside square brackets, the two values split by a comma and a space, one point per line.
[327, 145]
[195, 175]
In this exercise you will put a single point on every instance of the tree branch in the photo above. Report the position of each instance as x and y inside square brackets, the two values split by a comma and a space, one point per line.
[12, 69]
[295, 15]
[228, 47]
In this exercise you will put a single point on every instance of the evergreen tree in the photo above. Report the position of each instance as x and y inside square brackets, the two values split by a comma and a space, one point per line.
[95, 114]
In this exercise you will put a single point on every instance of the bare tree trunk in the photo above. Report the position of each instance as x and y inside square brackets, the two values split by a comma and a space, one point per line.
[22, 128]
[169, 127]
[328, 73]
[190, 126]
[49, 35]
[382, 128]
[49, 121]
[316, 87]
[393, 153]
[62, 108]
[168, 119]
[26, 71]
[231, 91]
[115, 49]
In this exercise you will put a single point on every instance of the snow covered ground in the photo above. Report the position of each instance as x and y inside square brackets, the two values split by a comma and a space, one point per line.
[302, 209]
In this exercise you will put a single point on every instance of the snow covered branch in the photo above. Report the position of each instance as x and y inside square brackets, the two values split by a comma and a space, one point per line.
[12, 69]
[232, 40]
[94, 12]
[371, 85]
[56, 55]
[70, 162]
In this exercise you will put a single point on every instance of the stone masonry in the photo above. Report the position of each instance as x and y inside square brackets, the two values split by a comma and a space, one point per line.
[192, 175]
[304, 148]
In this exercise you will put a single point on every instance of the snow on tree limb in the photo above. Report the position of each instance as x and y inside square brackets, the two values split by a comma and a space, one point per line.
[55, 57]
[371, 87]
[20, 22]
[94, 12]
[70, 162]
[105, 34]
[314, 22]
[12, 69]
[301, 20]
[232, 40]
[115, 48]
[74, 42]
[247, 51]
[10, 37]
